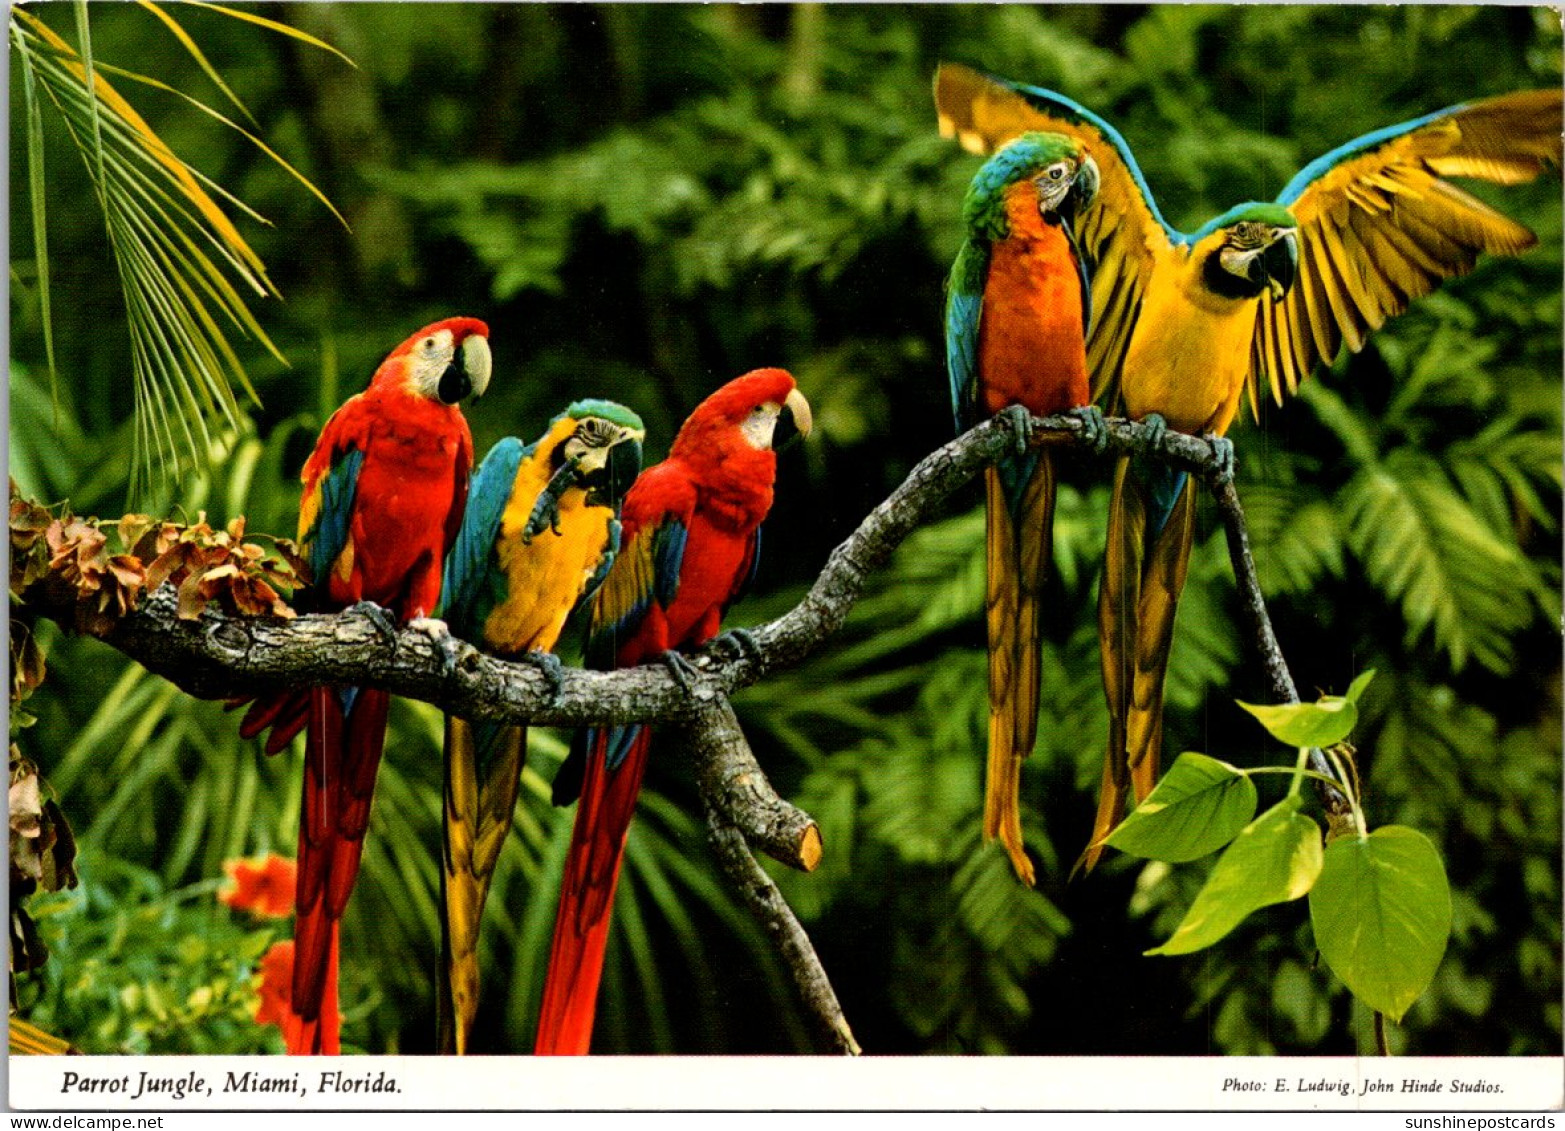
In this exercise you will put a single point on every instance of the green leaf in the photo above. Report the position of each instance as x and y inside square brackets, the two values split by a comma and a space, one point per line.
[38, 197]
[1199, 806]
[1274, 859]
[1321, 723]
[1382, 914]
[1356, 688]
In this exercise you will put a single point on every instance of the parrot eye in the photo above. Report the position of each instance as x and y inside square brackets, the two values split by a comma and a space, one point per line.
[1056, 172]
[435, 343]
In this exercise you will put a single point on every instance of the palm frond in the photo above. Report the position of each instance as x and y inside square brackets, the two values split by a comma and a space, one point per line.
[158, 211]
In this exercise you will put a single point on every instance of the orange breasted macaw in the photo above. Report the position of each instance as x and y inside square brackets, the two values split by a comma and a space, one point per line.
[1183, 322]
[384, 493]
[1017, 309]
[691, 540]
[540, 533]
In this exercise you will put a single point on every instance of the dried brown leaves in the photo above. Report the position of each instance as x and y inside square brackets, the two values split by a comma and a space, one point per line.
[65, 560]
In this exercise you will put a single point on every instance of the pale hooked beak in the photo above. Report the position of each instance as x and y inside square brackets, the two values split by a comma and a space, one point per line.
[477, 362]
[795, 403]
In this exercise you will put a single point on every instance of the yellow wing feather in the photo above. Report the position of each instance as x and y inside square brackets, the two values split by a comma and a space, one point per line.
[1383, 228]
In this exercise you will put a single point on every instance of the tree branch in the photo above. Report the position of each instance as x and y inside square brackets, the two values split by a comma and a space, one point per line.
[1338, 807]
[218, 655]
[741, 806]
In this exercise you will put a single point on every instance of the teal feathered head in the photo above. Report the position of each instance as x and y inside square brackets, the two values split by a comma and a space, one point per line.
[1258, 251]
[601, 453]
[1060, 167]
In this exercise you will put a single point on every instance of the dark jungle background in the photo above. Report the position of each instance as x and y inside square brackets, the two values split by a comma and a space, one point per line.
[646, 201]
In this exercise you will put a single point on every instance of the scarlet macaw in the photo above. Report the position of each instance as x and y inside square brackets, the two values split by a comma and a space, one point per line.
[1017, 309]
[691, 540]
[384, 492]
[1181, 329]
[540, 533]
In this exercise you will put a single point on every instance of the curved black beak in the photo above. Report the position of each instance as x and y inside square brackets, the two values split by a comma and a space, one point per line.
[454, 385]
[1083, 190]
[1279, 265]
[624, 464]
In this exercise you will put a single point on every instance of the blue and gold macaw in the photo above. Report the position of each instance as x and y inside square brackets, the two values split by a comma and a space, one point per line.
[1017, 310]
[1182, 324]
[540, 533]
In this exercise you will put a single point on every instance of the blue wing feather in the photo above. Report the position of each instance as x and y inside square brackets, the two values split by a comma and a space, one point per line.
[468, 562]
[644, 571]
[964, 309]
[605, 563]
[668, 558]
[338, 488]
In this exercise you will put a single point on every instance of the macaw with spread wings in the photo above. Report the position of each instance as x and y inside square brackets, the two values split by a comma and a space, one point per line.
[1183, 322]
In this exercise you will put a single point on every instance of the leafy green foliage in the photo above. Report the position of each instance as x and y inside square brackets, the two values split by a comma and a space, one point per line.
[158, 216]
[1198, 806]
[144, 968]
[1308, 724]
[1382, 914]
[1275, 858]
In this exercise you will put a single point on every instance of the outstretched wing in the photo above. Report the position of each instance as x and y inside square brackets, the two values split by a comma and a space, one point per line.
[1379, 226]
[1121, 235]
[467, 586]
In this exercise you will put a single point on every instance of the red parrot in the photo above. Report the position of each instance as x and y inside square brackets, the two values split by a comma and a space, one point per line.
[384, 493]
[690, 541]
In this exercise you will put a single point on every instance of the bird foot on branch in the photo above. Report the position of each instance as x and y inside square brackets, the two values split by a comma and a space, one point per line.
[553, 672]
[1020, 422]
[1150, 438]
[735, 644]
[681, 669]
[447, 647]
[1094, 431]
[377, 615]
[1222, 457]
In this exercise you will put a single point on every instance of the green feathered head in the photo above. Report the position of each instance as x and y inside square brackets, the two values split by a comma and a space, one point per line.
[601, 454]
[1065, 175]
[1256, 251]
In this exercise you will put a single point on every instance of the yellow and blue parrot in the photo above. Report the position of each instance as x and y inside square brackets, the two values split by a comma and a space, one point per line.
[1255, 298]
[540, 533]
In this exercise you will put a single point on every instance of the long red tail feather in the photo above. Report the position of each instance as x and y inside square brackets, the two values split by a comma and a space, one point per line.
[341, 758]
[581, 926]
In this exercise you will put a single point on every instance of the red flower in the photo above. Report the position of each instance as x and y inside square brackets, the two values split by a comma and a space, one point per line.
[263, 885]
[276, 984]
[277, 1001]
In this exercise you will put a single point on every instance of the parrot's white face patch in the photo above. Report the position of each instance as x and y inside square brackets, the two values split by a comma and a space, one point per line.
[760, 424]
[430, 358]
